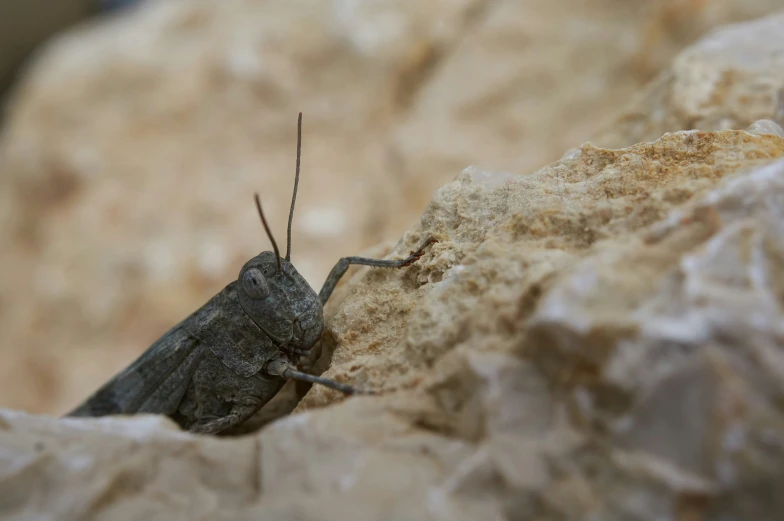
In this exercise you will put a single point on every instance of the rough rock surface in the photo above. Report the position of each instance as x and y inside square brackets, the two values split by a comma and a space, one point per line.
[535, 78]
[598, 340]
[729, 79]
[133, 147]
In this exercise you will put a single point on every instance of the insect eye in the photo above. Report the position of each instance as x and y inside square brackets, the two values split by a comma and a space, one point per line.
[254, 284]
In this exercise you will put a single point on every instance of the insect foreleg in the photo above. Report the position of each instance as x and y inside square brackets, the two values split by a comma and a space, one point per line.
[284, 369]
[342, 266]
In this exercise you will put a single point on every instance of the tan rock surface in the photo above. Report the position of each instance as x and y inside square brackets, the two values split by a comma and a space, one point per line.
[535, 78]
[729, 79]
[502, 233]
[597, 340]
[133, 147]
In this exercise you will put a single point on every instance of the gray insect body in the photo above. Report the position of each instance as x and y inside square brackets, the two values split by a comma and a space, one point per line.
[207, 373]
[217, 367]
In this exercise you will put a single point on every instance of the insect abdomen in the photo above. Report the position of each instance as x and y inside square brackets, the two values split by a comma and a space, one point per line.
[155, 382]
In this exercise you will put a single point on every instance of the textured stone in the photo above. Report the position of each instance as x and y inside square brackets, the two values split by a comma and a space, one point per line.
[597, 340]
[539, 223]
[729, 79]
[131, 469]
[532, 79]
[641, 291]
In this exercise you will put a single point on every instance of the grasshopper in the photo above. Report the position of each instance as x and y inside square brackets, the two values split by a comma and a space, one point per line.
[220, 365]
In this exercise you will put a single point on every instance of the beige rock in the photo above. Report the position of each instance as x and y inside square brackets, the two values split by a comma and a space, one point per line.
[540, 224]
[640, 289]
[767, 126]
[141, 468]
[597, 340]
[729, 79]
[532, 79]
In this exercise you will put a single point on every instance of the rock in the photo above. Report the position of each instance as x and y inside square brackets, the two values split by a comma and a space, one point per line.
[766, 126]
[630, 299]
[540, 223]
[121, 469]
[532, 79]
[597, 340]
[729, 79]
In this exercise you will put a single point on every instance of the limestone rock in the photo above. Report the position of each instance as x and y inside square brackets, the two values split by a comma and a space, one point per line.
[140, 468]
[532, 79]
[729, 79]
[597, 340]
[630, 300]
[500, 231]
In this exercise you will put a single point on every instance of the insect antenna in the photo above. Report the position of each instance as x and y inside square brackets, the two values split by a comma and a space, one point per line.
[267, 228]
[296, 184]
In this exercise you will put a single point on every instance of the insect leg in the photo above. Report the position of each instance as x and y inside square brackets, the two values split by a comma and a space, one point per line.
[284, 369]
[239, 413]
[342, 265]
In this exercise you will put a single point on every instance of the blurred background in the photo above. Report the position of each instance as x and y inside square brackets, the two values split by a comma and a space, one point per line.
[134, 133]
